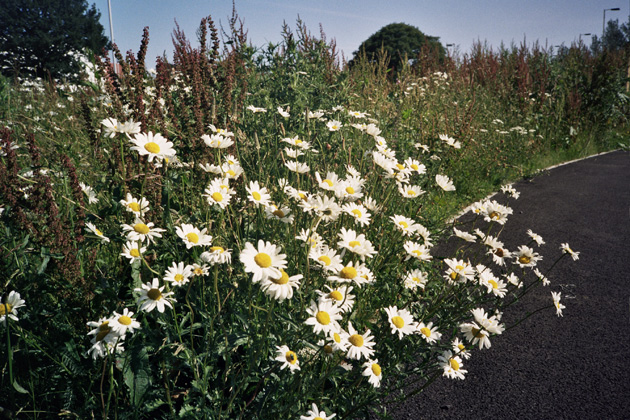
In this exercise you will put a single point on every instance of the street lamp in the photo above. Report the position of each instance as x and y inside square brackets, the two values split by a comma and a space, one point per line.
[586, 34]
[616, 9]
[111, 32]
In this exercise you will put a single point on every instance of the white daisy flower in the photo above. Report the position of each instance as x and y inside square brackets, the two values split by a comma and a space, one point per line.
[280, 288]
[556, 303]
[537, 238]
[360, 345]
[340, 296]
[459, 349]
[401, 321]
[257, 194]
[152, 146]
[151, 297]
[133, 250]
[373, 371]
[217, 255]
[124, 323]
[566, 249]
[315, 414]
[96, 231]
[417, 251]
[324, 317]
[464, 235]
[406, 225]
[428, 332]
[221, 131]
[142, 232]
[89, 193]
[415, 278]
[282, 214]
[329, 183]
[526, 257]
[178, 274]
[452, 365]
[263, 261]
[256, 110]
[192, 236]
[8, 308]
[283, 113]
[288, 358]
[217, 141]
[137, 207]
[297, 142]
[297, 167]
[326, 258]
[495, 212]
[444, 182]
[410, 191]
[334, 125]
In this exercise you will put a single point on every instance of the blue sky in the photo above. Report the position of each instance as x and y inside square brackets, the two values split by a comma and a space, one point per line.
[350, 22]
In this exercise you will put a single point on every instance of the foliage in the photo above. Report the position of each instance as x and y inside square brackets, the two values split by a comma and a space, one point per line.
[71, 190]
[399, 42]
[36, 36]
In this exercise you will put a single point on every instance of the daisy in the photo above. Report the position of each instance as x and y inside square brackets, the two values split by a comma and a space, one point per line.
[279, 213]
[526, 257]
[513, 279]
[152, 146]
[315, 114]
[406, 225]
[325, 207]
[193, 236]
[510, 191]
[178, 274]
[315, 414]
[490, 324]
[537, 238]
[556, 303]
[339, 340]
[497, 250]
[452, 365]
[141, 231]
[468, 237]
[288, 358]
[384, 162]
[567, 250]
[410, 191]
[137, 207]
[281, 288]
[459, 348]
[9, 308]
[428, 332]
[360, 345]
[103, 348]
[372, 130]
[326, 258]
[133, 251]
[357, 114]
[264, 261]
[221, 131]
[444, 182]
[297, 167]
[217, 141]
[545, 281]
[199, 270]
[371, 204]
[217, 255]
[334, 125]
[415, 166]
[425, 234]
[400, 321]
[373, 371]
[329, 183]
[359, 274]
[493, 284]
[97, 232]
[257, 194]
[358, 212]
[313, 239]
[293, 153]
[324, 317]
[350, 189]
[89, 193]
[217, 195]
[111, 126]
[123, 323]
[415, 278]
[256, 110]
[297, 142]
[340, 296]
[283, 113]
[417, 251]
[356, 244]
[450, 141]
[475, 334]
[151, 296]
[495, 212]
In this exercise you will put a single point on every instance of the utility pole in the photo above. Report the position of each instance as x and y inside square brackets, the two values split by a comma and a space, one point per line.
[111, 31]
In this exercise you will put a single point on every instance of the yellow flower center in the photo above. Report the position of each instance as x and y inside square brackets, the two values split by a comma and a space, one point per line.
[103, 330]
[414, 166]
[357, 213]
[337, 338]
[318, 418]
[328, 349]
[524, 259]
[283, 279]
[192, 237]
[477, 333]
[461, 347]
[217, 249]
[179, 278]
[98, 232]
[354, 243]
[5, 308]
[348, 273]
[411, 193]
[298, 141]
[356, 340]
[499, 252]
[325, 259]
[453, 364]
[398, 321]
[141, 228]
[415, 279]
[350, 190]
[154, 294]
[302, 196]
[329, 182]
[425, 331]
[454, 276]
[198, 271]
[134, 206]
[376, 369]
[459, 267]
[124, 320]
[417, 252]
[336, 294]
[322, 317]
[152, 147]
[494, 215]
[403, 224]
[263, 260]
[279, 213]
[493, 283]
[400, 167]
[217, 197]
[231, 172]
[256, 195]
[291, 357]
[134, 253]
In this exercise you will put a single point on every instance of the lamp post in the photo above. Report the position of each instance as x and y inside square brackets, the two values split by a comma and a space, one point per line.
[111, 31]
[616, 9]
[586, 34]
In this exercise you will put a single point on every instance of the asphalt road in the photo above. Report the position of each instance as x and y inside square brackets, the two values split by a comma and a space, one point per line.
[549, 367]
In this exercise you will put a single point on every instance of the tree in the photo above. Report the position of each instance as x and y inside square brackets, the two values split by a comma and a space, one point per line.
[615, 37]
[398, 40]
[36, 36]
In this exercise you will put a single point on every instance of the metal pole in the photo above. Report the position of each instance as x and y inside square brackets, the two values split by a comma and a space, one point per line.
[111, 30]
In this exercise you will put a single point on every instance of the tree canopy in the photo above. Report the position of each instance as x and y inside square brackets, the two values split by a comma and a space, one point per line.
[36, 36]
[398, 40]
